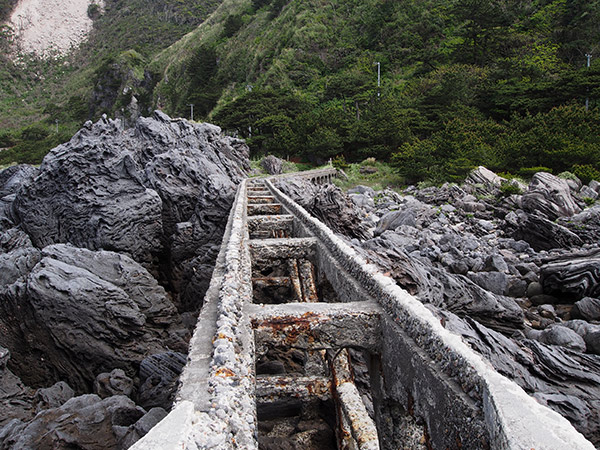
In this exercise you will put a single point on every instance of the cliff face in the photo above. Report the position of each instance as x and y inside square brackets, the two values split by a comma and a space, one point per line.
[51, 26]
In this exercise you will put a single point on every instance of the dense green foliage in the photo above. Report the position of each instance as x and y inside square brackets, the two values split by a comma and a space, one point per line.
[463, 83]
[501, 83]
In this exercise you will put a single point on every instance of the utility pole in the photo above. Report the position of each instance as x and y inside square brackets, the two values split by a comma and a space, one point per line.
[378, 64]
[587, 98]
[192, 111]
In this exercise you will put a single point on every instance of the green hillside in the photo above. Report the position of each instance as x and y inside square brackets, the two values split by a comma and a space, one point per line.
[499, 83]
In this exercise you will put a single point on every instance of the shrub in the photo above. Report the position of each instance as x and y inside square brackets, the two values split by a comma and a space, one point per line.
[586, 172]
[339, 162]
[528, 172]
[7, 139]
[507, 189]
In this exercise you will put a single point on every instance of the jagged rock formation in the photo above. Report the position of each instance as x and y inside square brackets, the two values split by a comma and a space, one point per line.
[101, 249]
[159, 192]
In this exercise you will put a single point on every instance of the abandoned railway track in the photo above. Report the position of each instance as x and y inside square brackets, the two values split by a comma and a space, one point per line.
[302, 344]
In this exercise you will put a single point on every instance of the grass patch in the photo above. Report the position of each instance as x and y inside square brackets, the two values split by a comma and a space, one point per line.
[375, 174]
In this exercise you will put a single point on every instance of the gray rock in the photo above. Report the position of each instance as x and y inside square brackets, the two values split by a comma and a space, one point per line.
[592, 341]
[89, 312]
[587, 308]
[82, 422]
[414, 214]
[12, 178]
[534, 288]
[495, 263]
[365, 190]
[54, 396]
[516, 287]
[329, 204]
[13, 239]
[547, 370]
[113, 383]
[586, 224]
[539, 232]
[572, 277]
[543, 299]
[563, 336]
[127, 190]
[16, 399]
[363, 201]
[549, 197]
[595, 185]
[158, 375]
[495, 282]
[484, 179]
[588, 192]
[135, 432]
[272, 165]
[547, 311]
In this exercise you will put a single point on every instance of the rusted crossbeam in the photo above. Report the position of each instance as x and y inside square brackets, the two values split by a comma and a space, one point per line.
[273, 388]
[268, 249]
[314, 326]
[264, 208]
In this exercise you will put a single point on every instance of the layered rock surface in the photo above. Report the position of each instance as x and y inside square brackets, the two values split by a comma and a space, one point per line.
[103, 249]
[513, 275]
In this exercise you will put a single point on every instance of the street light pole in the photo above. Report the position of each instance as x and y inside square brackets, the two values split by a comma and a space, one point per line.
[587, 98]
[378, 78]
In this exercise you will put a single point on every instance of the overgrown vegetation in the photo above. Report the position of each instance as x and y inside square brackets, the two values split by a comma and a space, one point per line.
[463, 83]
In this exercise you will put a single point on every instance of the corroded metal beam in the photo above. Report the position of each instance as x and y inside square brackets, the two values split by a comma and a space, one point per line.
[273, 388]
[265, 249]
[314, 326]
[265, 208]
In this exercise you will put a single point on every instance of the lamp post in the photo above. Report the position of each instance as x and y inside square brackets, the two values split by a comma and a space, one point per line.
[378, 64]
[587, 98]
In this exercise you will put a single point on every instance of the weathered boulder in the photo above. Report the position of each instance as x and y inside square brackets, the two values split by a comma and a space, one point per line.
[550, 197]
[483, 180]
[272, 165]
[540, 233]
[158, 375]
[586, 224]
[329, 204]
[82, 422]
[12, 178]
[572, 277]
[455, 293]
[113, 383]
[16, 399]
[77, 313]
[564, 379]
[563, 336]
[54, 396]
[587, 308]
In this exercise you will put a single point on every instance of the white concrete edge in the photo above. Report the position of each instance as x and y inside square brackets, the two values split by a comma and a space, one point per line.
[515, 417]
